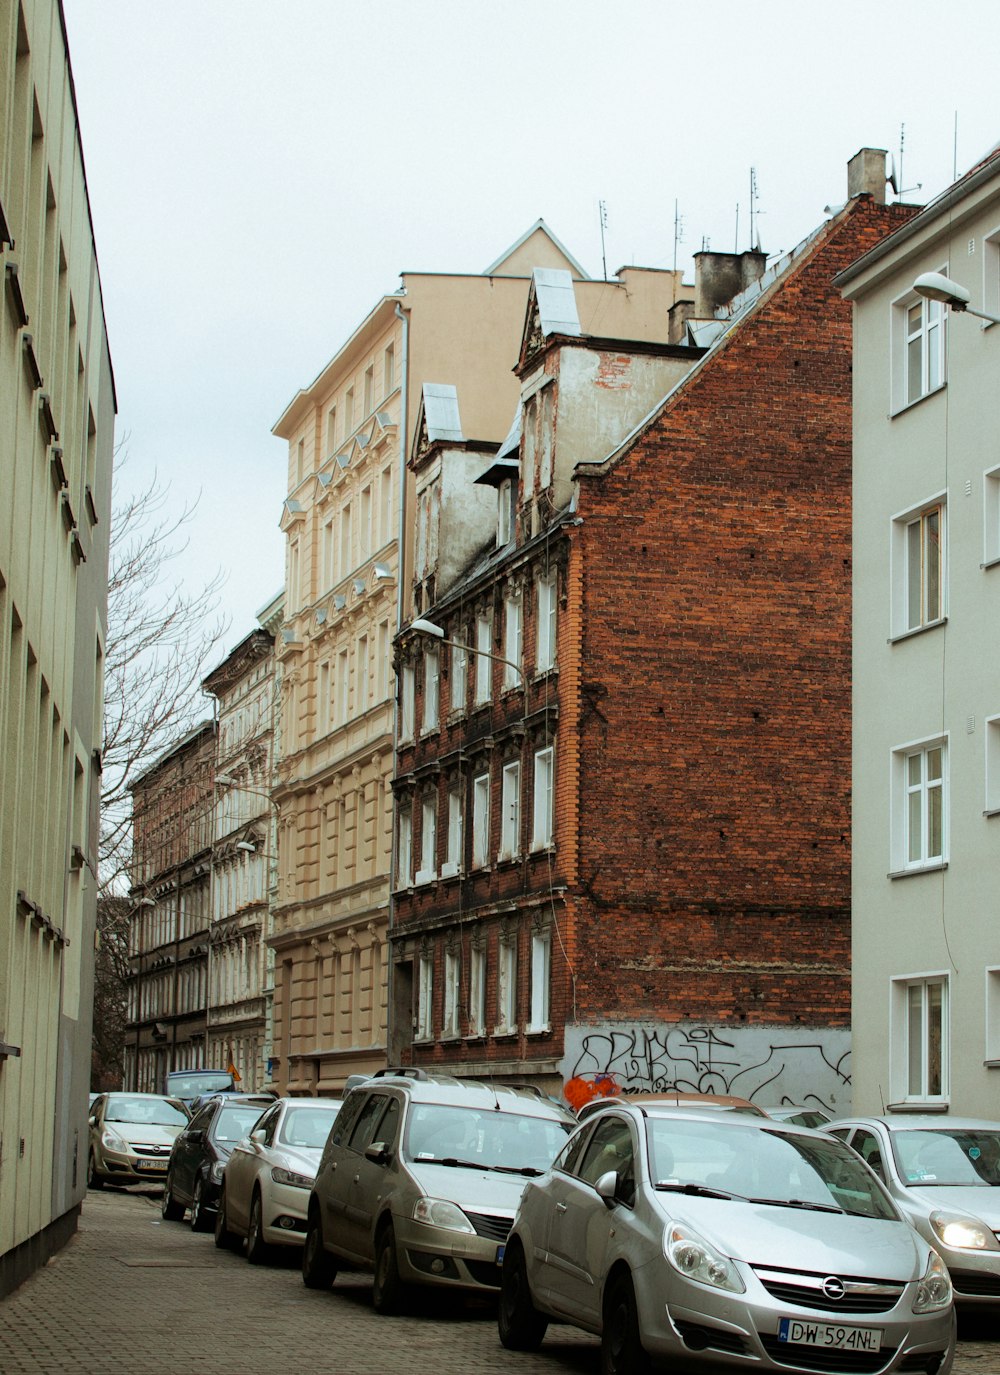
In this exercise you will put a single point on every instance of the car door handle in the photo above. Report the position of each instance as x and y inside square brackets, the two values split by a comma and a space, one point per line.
[561, 1207]
[357, 1179]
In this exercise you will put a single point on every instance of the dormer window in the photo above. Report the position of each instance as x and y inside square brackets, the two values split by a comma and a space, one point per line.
[505, 511]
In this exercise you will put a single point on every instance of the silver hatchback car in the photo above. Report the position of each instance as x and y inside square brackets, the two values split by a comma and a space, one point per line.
[723, 1241]
[420, 1179]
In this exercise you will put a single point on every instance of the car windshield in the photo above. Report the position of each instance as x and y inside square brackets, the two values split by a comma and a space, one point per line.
[158, 1112]
[308, 1126]
[763, 1166]
[485, 1139]
[236, 1122]
[194, 1085]
[948, 1155]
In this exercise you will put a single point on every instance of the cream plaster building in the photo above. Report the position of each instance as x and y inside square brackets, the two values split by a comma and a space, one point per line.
[349, 510]
[926, 788]
[56, 441]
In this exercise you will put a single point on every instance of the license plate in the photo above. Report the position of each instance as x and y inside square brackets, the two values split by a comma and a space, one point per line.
[500, 1255]
[150, 1164]
[831, 1335]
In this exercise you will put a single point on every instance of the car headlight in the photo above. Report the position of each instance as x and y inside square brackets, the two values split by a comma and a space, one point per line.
[934, 1290]
[963, 1231]
[112, 1141]
[217, 1168]
[438, 1212]
[696, 1258]
[301, 1181]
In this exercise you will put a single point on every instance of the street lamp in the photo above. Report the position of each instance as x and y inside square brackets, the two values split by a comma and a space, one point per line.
[423, 627]
[934, 286]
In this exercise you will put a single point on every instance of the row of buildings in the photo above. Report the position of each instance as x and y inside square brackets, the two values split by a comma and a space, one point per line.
[568, 768]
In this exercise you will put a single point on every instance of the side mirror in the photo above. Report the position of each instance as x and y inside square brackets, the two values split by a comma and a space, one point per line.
[378, 1152]
[607, 1188]
[92, 1121]
[260, 1136]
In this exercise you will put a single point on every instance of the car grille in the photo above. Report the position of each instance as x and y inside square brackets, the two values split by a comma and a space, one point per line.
[805, 1290]
[484, 1272]
[816, 1358]
[975, 1283]
[698, 1337]
[490, 1226]
[152, 1152]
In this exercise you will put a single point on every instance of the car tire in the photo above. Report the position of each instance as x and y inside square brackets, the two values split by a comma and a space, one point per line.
[387, 1288]
[519, 1322]
[258, 1250]
[94, 1180]
[319, 1269]
[170, 1209]
[622, 1351]
[224, 1238]
[200, 1220]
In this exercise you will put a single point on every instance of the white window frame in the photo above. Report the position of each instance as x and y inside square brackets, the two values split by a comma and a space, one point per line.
[513, 640]
[331, 431]
[541, 978]
[510, 820]
[343, 687]
[914, 1058]
[404, 847]
[388, 370]
[425, 998]
[362, 675]
[477, 991]
[991, 275]
[545, 623]
[432, 691]
[505, 512]
[481, 821]
[914, 605]
[369, 392]
[450, 1028]
[916, 793]
[484, 661]
[543, 800]
[407, 701]
[459, 687]
[506, 986]
[428, 841]
[930, 332]
[991, 517]
[992, 1044]
[453, 862]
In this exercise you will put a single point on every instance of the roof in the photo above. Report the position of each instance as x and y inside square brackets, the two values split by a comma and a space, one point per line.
[441, 414]
[539, 225]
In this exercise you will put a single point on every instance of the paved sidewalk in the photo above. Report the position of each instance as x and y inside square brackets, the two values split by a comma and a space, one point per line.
[133, 1295]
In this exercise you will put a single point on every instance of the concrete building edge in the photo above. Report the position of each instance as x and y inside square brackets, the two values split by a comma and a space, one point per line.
[21, 1262]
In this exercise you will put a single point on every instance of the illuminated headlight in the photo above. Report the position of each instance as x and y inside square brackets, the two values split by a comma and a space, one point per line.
[438, 1212]
[966, 1233]
[934, 1290]
[217, 1170]
[696, 1258]
[112, 1141]
[301, 1181]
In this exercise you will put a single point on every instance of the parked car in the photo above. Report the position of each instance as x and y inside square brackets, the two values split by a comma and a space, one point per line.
[719, 1240]
[420, 1179]
[944, 1173]
[190, 1084]
[199, 1155]
[131, 1135]
[673, 1098]
[801, 1116]
[267, 1178]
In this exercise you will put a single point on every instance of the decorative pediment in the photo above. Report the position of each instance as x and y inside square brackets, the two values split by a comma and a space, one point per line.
[292, 512]
[438, 420]
[551, 309]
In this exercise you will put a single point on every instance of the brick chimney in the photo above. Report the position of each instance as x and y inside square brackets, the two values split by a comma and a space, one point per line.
[866, 175]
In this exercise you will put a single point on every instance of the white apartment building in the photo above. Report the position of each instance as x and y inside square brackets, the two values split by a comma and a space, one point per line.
[926, 720]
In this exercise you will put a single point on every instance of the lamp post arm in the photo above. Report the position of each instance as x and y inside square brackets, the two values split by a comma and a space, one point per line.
[483, 653]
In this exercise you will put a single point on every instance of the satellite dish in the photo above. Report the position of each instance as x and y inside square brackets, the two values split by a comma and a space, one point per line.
[891, 177]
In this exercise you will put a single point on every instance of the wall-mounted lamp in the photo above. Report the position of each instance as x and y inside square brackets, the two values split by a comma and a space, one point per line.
[246, 847]
[934, 286]
[424, 627]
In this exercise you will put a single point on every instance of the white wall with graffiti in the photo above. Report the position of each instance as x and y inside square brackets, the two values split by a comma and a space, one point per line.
[768, 1065]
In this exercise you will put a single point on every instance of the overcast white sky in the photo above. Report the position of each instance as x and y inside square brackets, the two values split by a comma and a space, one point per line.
[261, 171]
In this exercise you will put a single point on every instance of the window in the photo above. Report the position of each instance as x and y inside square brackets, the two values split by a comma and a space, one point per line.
[365, 523]
[484, 664]
[991, 273]
[300, 461]
[505, 512]
[331, 430]
[343, 687]
[459, 672]
[918, 558]
[993, 1016]
[541, 831]
[513, 637]
[919, 1037]
[510, 824]
[991, 516]
[425, 997]
[346, 553]
[920, 804]
[918, 355]
[369, 388]
[452, 968]
[323, 691]
[362, 675]
[385, 506]
[404, 849]
[993, 764]
[348, 411]
[507, 985]
[545, 632]
[389, 370]
[432, 680]
[328, 554]
[541, 964]
[477, 991]
[407, 692]
[453, 863]
[481, 820]
[428, 841]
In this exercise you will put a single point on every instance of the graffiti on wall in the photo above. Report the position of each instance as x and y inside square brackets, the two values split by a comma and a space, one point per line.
[768, 1065]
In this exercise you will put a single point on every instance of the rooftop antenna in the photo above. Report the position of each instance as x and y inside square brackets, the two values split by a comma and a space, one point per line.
[736, 241]
[755, 214]
[678, 231]
[603, 209]
[903, 191]
[954, 155]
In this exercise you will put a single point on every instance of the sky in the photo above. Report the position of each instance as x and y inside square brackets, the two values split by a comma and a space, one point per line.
[261, 171]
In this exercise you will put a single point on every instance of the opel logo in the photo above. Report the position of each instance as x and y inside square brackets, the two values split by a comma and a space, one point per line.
[833, 1287]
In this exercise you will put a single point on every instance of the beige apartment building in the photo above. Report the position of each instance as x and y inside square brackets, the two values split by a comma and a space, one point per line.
[926, 727]
[57, 409]
[349, 519]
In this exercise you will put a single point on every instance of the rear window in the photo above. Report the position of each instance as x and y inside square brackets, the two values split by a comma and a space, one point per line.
[193, 1084]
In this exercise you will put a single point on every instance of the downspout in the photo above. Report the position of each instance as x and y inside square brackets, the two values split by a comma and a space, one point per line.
[404, 379]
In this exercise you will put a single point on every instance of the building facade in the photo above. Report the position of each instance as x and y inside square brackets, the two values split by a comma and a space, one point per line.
[926, 679]
[349, 520]
[56, 439]
[631, 855]
[173, 805]
[243, 861]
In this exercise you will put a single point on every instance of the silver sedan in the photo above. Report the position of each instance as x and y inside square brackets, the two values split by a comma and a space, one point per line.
[266, 1183]
[723, 1241]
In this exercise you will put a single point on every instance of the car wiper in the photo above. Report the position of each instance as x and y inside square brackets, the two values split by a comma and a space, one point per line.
[798, 1203]
[698, 1190]
[451, 1160]
[528, 1170]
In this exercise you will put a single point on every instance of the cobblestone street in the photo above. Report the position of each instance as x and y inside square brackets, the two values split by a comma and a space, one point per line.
[133, 1295]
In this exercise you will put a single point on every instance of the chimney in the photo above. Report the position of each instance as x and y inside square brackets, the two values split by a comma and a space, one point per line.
[866, 175]
[718, 277]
